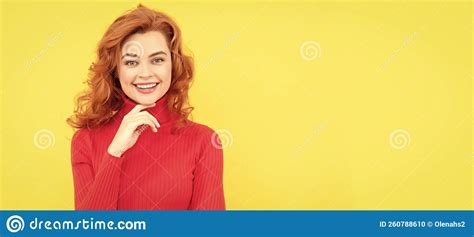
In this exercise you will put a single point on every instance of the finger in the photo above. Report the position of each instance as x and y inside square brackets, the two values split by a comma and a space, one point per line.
[146, 115]
[140, 107]
[139, 130]
[151, 117]
[143, 121]
[141, 124]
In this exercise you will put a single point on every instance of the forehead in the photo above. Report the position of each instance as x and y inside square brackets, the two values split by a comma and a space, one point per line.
[151, 41]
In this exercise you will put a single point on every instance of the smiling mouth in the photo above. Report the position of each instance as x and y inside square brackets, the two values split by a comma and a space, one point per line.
[147, 85]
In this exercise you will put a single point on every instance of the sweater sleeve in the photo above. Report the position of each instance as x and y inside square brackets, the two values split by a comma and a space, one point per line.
[95, 188]
[208, 190]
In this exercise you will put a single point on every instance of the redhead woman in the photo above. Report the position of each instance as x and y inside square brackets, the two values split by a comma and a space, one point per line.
[135, 148]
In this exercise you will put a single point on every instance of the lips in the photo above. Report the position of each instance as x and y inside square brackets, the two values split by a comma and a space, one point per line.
[147, 85]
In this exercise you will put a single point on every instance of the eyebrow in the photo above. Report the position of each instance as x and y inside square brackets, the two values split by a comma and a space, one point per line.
[151, 55]
[156, 53]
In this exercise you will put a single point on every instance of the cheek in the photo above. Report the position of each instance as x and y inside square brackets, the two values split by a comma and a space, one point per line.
[164, 72]
[127, 75]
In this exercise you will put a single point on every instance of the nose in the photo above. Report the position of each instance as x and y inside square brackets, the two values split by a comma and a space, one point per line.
[145, 71]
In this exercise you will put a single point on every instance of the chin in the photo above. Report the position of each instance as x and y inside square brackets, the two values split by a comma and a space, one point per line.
[147, 99]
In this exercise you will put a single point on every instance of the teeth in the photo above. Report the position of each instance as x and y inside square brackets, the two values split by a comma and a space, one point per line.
[147, 86]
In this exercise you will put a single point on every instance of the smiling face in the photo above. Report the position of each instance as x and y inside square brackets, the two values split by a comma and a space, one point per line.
[145, 67]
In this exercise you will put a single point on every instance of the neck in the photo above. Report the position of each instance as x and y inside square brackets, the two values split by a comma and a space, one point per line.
[160, 111]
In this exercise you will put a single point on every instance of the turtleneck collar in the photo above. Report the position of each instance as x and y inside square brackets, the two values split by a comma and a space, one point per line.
[160, 111]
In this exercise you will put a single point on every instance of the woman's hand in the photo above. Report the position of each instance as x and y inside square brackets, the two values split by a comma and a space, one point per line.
[133, 124]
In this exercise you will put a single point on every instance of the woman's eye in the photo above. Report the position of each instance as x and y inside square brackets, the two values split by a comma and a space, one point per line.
[158, 60]
[131, 63]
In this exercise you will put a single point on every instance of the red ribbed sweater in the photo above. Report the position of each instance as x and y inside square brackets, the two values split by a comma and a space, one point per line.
[163, 171]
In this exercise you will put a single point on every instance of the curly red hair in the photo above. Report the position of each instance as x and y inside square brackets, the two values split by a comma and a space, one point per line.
[97, 105]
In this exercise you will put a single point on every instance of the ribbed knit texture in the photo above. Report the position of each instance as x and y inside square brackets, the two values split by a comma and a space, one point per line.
[163, 171]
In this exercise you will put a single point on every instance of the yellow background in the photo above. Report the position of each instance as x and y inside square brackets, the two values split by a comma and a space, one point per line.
[310, 129]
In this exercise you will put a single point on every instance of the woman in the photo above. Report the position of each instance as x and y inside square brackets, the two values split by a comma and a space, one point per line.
[135, 147]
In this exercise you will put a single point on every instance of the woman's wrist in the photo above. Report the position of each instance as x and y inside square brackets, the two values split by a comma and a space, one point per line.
[115, 153]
